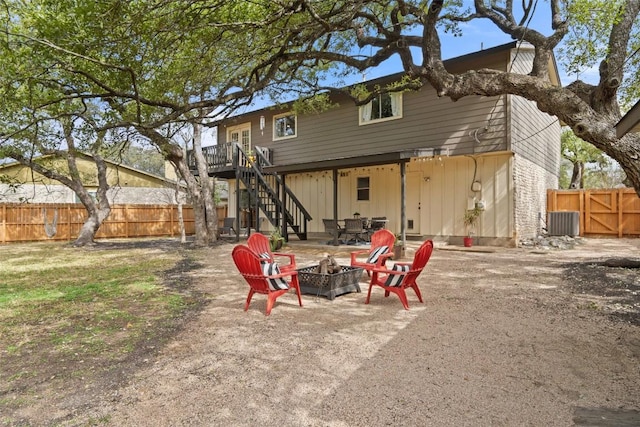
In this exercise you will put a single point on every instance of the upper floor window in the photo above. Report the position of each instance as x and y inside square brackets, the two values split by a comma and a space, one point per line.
[387, 106]
[284, 126]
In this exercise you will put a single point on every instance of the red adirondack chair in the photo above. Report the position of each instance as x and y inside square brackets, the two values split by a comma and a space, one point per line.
[264, 277]
[259, 243]
[381, 249]
[402, 275]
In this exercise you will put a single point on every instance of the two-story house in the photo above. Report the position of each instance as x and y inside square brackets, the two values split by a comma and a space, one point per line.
[417, 159]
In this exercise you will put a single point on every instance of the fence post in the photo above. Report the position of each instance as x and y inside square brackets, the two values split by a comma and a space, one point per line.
[4, 224]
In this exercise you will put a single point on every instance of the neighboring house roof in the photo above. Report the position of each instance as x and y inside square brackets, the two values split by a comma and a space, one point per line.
[630, 122]
[125, 176]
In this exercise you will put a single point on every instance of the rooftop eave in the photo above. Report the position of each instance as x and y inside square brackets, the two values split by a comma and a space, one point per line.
[350, 162]
[630, 122]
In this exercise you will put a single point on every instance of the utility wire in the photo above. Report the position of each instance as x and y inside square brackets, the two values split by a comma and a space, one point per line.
[538, 132]
[526, 28]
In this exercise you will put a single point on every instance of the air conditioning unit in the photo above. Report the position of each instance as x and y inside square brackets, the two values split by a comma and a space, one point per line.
[563, 223]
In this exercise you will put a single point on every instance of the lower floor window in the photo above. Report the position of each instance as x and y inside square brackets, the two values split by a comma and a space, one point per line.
[363, 188]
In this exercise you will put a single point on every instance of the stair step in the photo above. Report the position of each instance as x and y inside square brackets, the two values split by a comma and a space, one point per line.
[268, 203]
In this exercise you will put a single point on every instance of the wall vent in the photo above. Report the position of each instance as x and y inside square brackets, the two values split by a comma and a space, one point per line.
[564, 223]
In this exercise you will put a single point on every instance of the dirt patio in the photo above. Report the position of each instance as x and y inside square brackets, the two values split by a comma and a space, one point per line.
[505, 337]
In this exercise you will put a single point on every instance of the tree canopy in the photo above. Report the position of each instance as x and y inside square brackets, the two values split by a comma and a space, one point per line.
[584, 32]
[582, 156]
[155, 65]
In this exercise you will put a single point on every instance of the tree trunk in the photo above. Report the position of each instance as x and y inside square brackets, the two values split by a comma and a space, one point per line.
[96, 217]
[99, 209]
[207, 186]
[183, 235]
[577, 177]
[175, 154]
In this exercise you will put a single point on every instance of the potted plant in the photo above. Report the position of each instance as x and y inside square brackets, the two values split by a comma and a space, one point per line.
[276, 241]
[398, 248]
[470, 219]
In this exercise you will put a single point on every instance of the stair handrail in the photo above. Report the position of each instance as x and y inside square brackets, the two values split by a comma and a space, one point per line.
[244, 160]
[262, 159]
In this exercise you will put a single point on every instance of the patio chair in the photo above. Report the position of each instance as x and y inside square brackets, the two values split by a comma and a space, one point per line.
[354, 227]
[259, 243]
[229, 225]
[332, 228]
[402, 275]
[381, 249]
[378, 222]
[264, 277]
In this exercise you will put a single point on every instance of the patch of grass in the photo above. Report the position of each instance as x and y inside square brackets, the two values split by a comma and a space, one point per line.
[68, 313]
[591, 305]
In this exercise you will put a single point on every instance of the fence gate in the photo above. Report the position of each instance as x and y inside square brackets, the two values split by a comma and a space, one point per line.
[613, 212]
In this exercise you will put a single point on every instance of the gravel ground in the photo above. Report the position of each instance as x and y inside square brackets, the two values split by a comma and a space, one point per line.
[505, 337]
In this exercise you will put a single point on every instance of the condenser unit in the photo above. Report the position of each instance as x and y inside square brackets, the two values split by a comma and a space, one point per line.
[563, 223]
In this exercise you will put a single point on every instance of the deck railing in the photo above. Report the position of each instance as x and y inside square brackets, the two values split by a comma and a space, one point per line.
[217, 157]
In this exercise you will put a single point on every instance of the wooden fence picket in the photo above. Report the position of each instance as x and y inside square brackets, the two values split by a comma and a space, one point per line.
[606, 212]
[25, 222]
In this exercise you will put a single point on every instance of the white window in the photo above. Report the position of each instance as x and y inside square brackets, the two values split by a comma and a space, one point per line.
[284, 126]
[387, 106]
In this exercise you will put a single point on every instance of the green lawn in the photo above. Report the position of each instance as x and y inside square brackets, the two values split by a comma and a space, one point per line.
[69, 314]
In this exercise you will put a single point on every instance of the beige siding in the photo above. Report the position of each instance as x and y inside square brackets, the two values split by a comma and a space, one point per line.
[444, 190]
[314, 189]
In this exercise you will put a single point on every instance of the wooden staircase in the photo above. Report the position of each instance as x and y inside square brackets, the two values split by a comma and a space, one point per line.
[278, 203]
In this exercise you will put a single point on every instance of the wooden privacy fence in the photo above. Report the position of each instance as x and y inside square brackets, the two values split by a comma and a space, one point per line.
[62, 221]
[601, 212]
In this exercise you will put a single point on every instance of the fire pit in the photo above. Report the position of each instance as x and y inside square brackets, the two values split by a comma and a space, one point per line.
[329, 285]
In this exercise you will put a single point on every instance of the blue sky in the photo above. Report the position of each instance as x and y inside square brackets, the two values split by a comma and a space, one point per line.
[476, 35]
[482, 34]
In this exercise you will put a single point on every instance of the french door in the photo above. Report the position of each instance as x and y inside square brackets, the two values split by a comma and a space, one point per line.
[240, 134]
